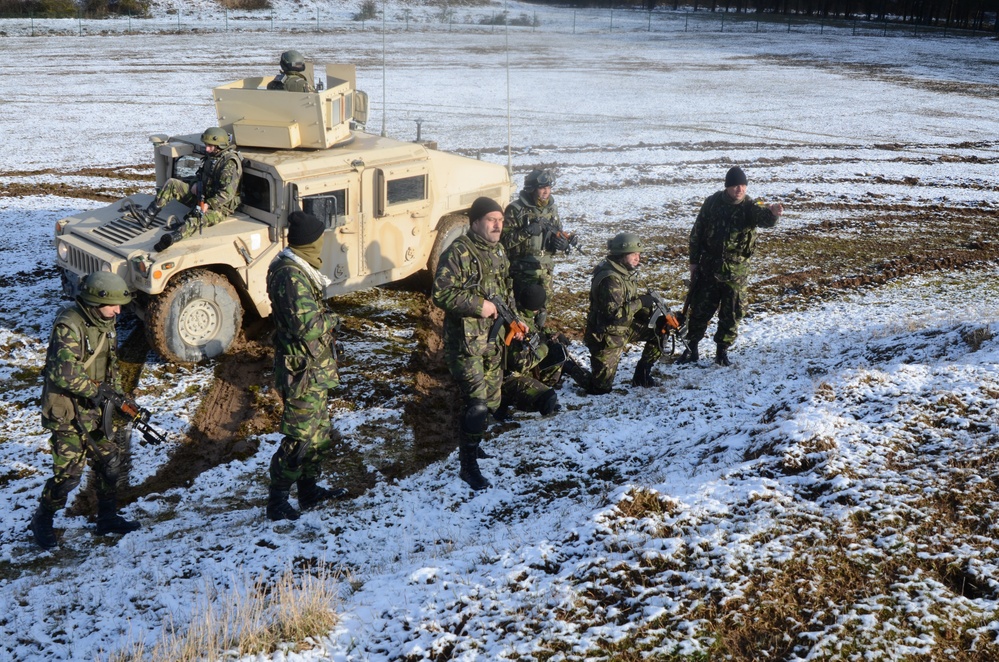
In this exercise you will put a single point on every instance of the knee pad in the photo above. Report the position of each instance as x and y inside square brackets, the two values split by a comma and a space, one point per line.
[474, 420]
[547, 402]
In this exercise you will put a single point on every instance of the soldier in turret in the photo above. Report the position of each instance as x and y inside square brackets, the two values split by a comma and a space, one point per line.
[291, 78]
[619, 315]
[472, 276]
[305, 367]
[213, 194]
[722, 241]
[532, 233]
[81, 372]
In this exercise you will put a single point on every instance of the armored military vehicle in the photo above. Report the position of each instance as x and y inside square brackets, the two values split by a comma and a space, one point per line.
[390, 207]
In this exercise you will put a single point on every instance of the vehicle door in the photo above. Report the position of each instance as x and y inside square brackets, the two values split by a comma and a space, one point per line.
[334, 201]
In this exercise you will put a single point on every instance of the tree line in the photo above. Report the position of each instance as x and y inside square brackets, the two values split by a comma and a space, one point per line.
[967, 14]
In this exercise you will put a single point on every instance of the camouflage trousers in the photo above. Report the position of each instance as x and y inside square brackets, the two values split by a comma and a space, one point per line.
[176, 189]
[306, 427]
[606, 349]
[478, 377]
[705, 299]
[71, 451]
[524, 392]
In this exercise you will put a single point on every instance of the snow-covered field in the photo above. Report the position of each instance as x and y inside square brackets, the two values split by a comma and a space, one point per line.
[852, 431]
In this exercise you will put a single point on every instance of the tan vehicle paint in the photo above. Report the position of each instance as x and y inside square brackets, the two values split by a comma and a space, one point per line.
[391, 207]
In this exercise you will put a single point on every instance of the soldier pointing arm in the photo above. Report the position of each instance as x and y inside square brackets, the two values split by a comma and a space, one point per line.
[722, 242]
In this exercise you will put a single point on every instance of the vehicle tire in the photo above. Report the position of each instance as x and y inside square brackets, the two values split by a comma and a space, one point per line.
[450, 228]
[196, 317]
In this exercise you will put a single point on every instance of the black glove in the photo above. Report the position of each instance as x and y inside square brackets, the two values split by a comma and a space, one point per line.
[104, 393]
[534, 228]
[647, 300]
[558, 243]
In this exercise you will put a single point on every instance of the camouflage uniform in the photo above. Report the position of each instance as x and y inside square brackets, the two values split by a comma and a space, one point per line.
[616, 318]
[721, 243]
[219, 176]
[305, 368]
[470, 270]
[527, 229]
[291, 81]
[529, 377]
[81, 355]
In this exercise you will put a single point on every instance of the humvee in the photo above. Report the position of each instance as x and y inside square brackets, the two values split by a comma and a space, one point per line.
[390, 207]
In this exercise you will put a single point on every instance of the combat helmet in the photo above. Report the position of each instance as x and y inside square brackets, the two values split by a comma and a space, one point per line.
[292, 61]
[215, 136]
[102, 288]
[624, 243]
[538, 179]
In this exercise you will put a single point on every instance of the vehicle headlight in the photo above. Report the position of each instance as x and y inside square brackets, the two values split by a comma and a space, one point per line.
[63, 250]
[106, 266]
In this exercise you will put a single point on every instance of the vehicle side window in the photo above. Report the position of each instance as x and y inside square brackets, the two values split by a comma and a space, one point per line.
[255, 191]
[329, 207]
[406, 189]
[186, 167]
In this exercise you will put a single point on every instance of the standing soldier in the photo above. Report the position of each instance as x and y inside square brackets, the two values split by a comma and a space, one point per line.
[721, 242]
[305, 367]
[532, 233]
[291, 78]
[619, 315]
[471, 281]
[81, 372]
[213, 194]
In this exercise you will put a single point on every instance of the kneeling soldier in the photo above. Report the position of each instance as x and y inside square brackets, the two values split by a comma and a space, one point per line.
[619, 315]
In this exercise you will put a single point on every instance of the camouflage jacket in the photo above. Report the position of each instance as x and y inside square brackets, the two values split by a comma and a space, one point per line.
[293, 81]
[304, 327]
[82, 353]
[613, 299]
[526, 229]
[470, 271]
[219, 176]
[724, 236]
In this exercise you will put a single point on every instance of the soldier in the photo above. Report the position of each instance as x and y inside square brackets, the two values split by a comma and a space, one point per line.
[305, 367]
[473, 270]
[531, 370]
[81, 371]
[532, 233]
[291, 78]
[619, 315]
[721, 242]
[213, 194]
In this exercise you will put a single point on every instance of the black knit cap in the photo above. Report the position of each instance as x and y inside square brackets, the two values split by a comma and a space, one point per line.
[303, 229]
[735, 177]
[532, 297]
[481, 207]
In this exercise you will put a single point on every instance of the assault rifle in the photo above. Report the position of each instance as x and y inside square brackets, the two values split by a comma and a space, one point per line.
[573, 239]
[667, 324]
[514, 325]
[119, 404]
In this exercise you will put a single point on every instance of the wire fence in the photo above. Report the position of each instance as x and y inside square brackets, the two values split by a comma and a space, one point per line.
[565, 21]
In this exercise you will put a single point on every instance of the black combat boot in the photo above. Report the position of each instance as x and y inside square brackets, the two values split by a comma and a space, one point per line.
[108, 519]
[643, 376]
[689, 355]
[470, 467]
[311, 495]
[152, 211]
[278, 507]
[580, 375]
[41, 527]
[721, 355]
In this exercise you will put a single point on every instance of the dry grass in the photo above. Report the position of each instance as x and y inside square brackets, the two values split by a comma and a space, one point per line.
[250, 618]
